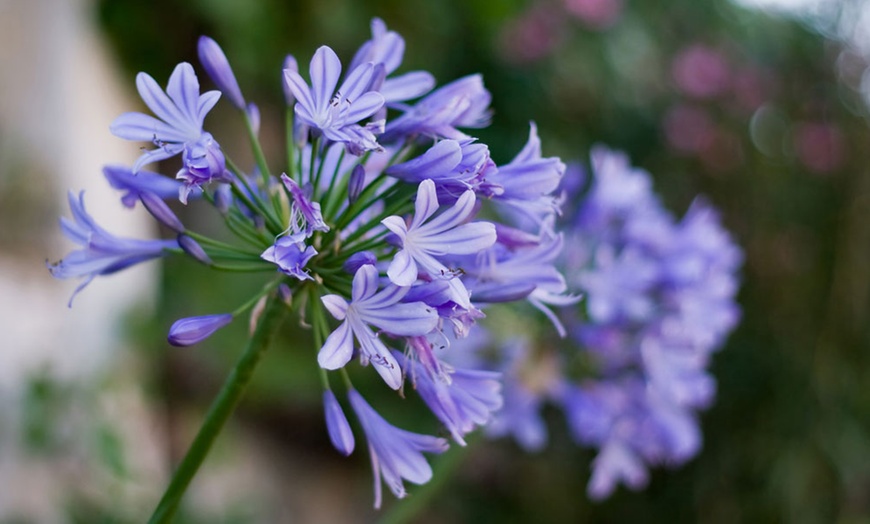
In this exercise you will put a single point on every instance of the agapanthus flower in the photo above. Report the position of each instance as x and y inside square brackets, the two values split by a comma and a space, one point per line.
[387, 48]
[335, 113]
[396, 454]
[463, 103]
[178, 129]
[101, 253]
[381, 309]
[290, 253]
[426, 239]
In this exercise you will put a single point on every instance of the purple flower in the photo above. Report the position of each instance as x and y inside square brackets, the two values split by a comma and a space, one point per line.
[424, 240]
[336, 424]
[336, 115]
[181, 111]
[216, 65]
[134, 184]
[290, 254]
[387, 48]
[193, 330]
[381, 309]
[528, 176]
[101, 253]
[616, 462]
[460, 398]
[149, 188]
[396, 454]
[461, 103]
[307, 208]
[454, 167]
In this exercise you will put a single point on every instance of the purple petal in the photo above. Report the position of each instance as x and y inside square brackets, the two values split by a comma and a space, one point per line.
[183, 90]
[463, 240]
[336, 305]
[338, 348]
[426, 204]
[297, 86]
[365, 283]
[403, 269]
[325, 68]
[364, 106]
[408, 86]
[146, 128]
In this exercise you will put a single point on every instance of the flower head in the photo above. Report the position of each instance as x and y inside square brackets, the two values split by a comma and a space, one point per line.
[381, 309]
[177, 129]
[335, 113]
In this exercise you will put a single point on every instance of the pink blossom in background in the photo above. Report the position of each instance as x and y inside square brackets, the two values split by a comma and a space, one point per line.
[598, 14]
[752, 87]
[533, 35]
[700, 71]
[819, 146]
[688, 128]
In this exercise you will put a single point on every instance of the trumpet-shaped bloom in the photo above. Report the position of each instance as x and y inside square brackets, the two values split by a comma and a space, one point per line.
[461, 398]
[461, 103]
[177, 129]
[396, 454]
[388, 48]
[336, 113]
[381, 309]
[101, 252]
[424, 240]
[290, 253]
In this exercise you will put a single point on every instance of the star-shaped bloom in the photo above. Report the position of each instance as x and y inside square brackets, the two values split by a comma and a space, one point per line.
[396, 454]
[381, 309]
[177, 129]
[425, 240]
[290, 253]
[102, 253]
[336, 113]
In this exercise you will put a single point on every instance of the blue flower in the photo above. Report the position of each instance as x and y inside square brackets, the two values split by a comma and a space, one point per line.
[178, 129]
[461, 398]
[290, 253]
[461, 103]
[388, 48]
[101, 253]
[424, 240]
[335, 113]
[396, 454]
[381, 309]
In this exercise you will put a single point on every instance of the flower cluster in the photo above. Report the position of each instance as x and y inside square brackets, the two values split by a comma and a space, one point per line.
[388, 231]
[658, 301]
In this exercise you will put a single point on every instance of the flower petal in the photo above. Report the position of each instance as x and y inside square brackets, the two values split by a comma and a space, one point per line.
[325, 68]
[403, 269]
[338, 348]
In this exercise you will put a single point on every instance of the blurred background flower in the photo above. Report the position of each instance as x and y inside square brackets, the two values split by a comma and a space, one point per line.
[761, 105]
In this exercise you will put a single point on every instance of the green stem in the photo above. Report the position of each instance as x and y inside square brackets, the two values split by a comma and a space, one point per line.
[220, 410]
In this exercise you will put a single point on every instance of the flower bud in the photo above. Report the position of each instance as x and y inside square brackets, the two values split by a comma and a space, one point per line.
[215, 63]
[291, 64]
[160, 210]
[337, 425]
[192, 248]
[356, 183]
[193, 330]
